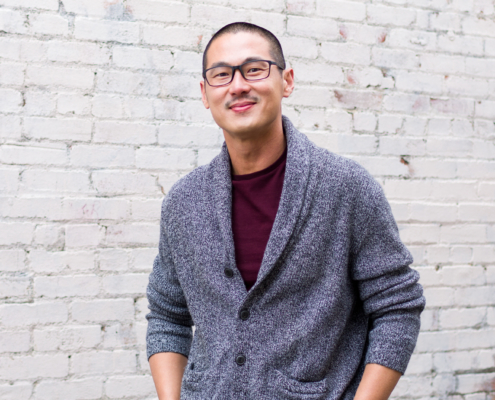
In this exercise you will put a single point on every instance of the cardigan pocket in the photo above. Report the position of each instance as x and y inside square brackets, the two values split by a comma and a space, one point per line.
[297, 390]
[194, 380]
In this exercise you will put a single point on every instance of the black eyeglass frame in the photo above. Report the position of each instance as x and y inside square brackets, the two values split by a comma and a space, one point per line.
[238, 67]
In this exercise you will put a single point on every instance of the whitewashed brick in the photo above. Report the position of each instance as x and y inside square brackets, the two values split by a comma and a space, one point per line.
[301, 6]
[125, 284]
[458, 107]
[10, 100]
[312, 27]
[138, 107]
[69, 338]
[468, 45]
[10, 48]
[475, 296]
[402, 146]
[94, 8]
[462, 318]
[91, 363]
[449, 147]
[66, 286]
[49, 24]
[106, 182]
[477, 212]
[12, 21]
[10, 127]
[119, 335]
[16, 233]
[189, 136]
[31, 207]
[119, 386]
[164, 159]
[436, 341]
[128, 82]
[347, 53]
[124, 132]
[389, 124]
[77, 52]
[179, 36]
[442, 64]
[103, 310]
[468, 233]
[273, 21]
[58, 129]
[39, 103]
[83, 235]
[90, 388]
[485, 109]
[411, 39]
[56, 181]
[14, 341]
[462, 360]
[72, 103]
[474, 382]
[414, 81]
[106, 30]
[102, 156]
[425, 233]
[55, 262]
[147, 209]
[80, 78]
[179, 86]
[397, 16]
[299, 47]
[364, 121]
[151, 10]
[12, 74]
[363, 33]
[32, 314]
[478, 26]
[142, 234]
[47, 154]
[167, 109]
[30, 367]
[87, 209]
[393, 58]
[345, 10]
[140, 58]
[18, 390]
[12, 260]
[472, 169]
[18, 286]
[107, 106]
[445, 21]
[142, 259]
[420, 364]
[113, 260]
[414, 126]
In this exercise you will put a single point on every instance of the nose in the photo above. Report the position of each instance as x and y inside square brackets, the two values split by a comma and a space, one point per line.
[239, 84]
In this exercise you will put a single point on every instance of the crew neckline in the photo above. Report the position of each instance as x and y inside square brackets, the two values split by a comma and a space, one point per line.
[265, 171]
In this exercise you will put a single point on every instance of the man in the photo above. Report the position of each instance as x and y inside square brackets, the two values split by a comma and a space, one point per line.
[284, 256]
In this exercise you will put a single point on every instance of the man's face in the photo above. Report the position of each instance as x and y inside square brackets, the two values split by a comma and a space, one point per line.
[243, 108]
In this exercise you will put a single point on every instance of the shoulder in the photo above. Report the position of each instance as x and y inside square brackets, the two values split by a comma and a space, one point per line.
[342, 171]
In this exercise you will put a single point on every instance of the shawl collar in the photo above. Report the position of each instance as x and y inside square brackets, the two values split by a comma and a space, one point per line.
[291, 200]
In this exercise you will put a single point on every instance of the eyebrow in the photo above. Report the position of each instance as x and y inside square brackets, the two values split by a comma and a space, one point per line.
[226, 64]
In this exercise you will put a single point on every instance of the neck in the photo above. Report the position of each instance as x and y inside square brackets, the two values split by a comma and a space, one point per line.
[252, 153]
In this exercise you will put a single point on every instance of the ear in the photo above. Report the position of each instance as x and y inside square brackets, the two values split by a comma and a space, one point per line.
[203, 94]
[288, 77]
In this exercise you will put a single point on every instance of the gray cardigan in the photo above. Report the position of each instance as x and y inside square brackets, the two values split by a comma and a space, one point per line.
[334, 291]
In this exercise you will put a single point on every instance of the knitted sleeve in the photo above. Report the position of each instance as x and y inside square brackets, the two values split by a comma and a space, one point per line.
[169, 321]
[388, 287]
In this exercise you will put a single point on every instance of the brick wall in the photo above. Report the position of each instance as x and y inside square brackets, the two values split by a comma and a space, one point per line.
[100, 114]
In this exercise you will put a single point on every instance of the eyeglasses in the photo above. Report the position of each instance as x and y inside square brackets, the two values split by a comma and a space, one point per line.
[250, 71]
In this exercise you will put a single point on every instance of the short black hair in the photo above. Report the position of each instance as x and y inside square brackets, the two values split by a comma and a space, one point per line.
[235, 27]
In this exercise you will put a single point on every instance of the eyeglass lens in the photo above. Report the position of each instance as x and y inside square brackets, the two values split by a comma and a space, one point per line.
[251, 71]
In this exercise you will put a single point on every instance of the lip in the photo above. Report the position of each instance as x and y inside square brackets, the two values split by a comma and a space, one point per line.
[242, 106]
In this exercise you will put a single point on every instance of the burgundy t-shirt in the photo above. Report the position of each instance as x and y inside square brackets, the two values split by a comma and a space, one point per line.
[255, 199]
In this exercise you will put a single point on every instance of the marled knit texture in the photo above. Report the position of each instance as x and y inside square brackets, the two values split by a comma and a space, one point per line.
[334, 291]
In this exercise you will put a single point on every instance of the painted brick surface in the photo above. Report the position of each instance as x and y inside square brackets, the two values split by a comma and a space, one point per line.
[100, 114]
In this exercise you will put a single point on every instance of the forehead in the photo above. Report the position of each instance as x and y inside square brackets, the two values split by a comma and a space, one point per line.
[235, 48]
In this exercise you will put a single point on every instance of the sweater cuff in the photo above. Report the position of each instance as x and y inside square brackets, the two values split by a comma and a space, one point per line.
[161, 337]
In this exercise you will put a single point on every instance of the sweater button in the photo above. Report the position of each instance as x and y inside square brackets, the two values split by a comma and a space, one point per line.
[228, 272]
[244, 314]
[240, 359]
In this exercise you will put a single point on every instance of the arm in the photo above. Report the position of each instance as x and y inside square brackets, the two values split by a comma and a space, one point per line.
[388, 288]
[169, 334]
[167, 370]
[377, 383]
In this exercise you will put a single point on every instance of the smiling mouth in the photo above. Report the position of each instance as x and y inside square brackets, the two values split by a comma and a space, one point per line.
[242, 106]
